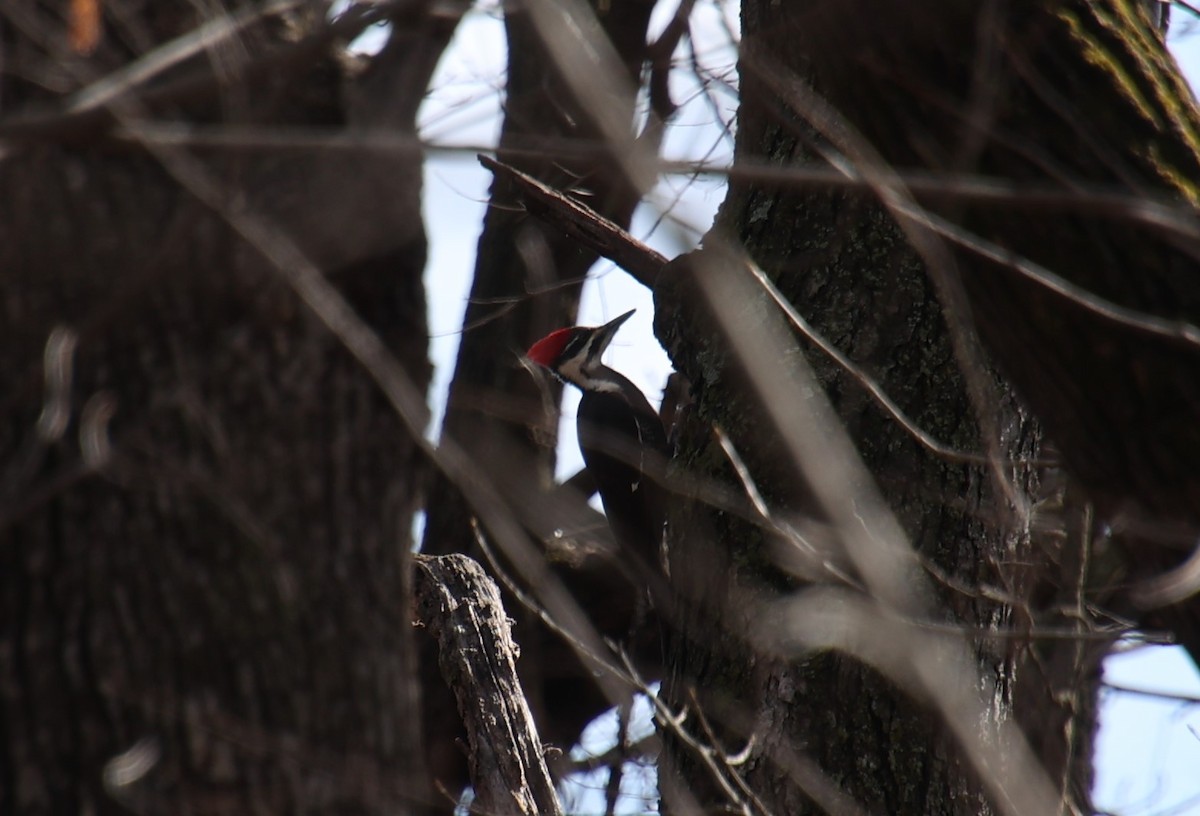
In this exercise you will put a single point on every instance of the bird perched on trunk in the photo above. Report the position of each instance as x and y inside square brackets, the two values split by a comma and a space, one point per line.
[621, 437]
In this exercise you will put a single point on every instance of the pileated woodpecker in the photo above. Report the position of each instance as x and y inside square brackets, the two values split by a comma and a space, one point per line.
[620, 435]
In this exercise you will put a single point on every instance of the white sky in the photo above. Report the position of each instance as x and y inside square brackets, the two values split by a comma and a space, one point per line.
[1148, 750]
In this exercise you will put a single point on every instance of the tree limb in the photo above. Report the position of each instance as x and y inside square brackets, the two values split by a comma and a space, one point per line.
[583, 223]
[461, 607]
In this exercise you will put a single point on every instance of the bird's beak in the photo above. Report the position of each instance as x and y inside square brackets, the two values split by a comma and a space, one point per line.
[605, 333]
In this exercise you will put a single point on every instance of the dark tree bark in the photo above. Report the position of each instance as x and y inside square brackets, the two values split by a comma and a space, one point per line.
[460, 605]
[1071, 98]
[204, 537]
[1072, 95]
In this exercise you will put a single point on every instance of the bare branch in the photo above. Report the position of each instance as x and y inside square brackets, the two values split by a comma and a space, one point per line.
[461, 607]
[583, 223]
[1191, 699]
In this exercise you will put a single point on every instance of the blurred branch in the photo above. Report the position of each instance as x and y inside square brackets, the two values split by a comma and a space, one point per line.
[933, 667]
[853, 155]
[659, 54]
[869, 384]
[332, 309]
[461, 607]
[591, 67]
[932, 187]
[727, 760]
[817, 559]
[1191, 699]
[643, 263]
[1172, 586]
[643, 750]
[91, 109]
[209, 34]
[581, 481]
[824, 791]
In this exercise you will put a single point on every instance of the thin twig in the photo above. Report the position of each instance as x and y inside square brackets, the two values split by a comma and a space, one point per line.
[847, 151]
[873, 388]
[1191, 699]
[767, 518]
[600, 661]
[724, 756]
[705, 753]
[626, 672]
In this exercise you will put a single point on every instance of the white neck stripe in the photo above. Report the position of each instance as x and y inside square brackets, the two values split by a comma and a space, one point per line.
[576, 371]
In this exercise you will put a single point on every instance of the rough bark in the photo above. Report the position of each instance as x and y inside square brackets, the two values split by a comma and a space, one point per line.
[204, 539]
[1079, 99]
[902, 82]
[461, 608]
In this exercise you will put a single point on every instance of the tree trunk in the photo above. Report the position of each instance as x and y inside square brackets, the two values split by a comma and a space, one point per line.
[206, 501]
[1008, 548]
[1078, 267]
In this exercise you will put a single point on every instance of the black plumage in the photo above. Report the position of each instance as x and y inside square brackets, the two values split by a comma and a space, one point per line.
[625, 449]
[622, 439]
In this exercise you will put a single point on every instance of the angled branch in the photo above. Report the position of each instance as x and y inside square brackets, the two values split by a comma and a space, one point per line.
[582, 223]
[461, 607]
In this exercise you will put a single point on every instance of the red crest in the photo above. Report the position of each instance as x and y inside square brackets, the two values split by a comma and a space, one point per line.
[546, 351]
